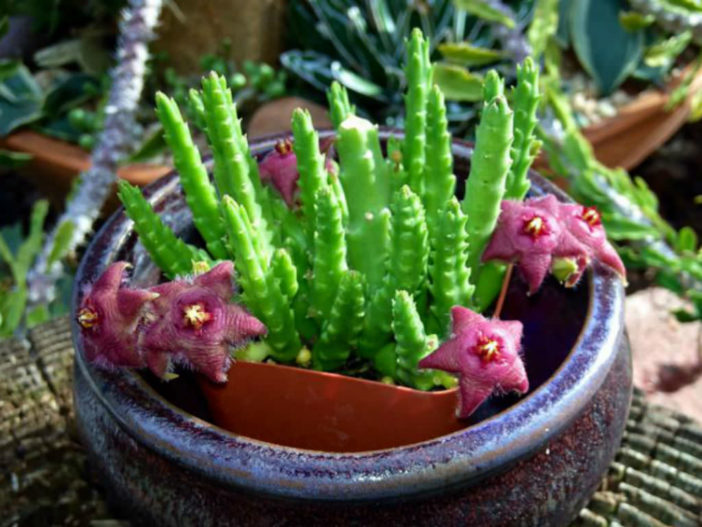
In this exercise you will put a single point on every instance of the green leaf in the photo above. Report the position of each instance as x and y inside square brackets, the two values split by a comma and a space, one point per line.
[485, 11]
[10, 159]
[355, 82]
[664, 53]
[20, 100]
[563, 31]
[605, 49]
[151, 146]
[69, 92]
[634, 21]
[458, 84]
[8, 68]
[686, 241]
[468, 55]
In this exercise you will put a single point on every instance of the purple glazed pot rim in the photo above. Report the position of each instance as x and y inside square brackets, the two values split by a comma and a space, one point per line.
[465, 455]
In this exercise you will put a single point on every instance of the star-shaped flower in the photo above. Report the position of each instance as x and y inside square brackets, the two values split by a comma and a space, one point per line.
[195, 323]
[585, 224]
[109, 316]
[485, 355]
[531, 234]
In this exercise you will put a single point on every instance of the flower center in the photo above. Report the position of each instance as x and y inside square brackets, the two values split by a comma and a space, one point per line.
[87, 317]
[284, 147]
[487, 348]
[196, 316]
[535, 227]
[591, 216]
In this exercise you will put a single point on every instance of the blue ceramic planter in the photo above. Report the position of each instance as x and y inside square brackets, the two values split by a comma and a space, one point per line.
[529, 461]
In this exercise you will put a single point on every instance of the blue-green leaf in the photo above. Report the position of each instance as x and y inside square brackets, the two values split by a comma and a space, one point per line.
[607, 51]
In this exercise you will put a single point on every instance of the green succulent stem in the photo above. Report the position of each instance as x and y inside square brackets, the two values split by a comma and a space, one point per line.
[233, 170]
[449, 273]
[310, 165]
[526, 99]
[418, 72]
[200, 195]
[406, 266]
[490, 165]
[365, 182]
[411, 341]
[438, 171]
[264, 292]
[171, 254]
[329, 262]
[339, 106]
[344, 324]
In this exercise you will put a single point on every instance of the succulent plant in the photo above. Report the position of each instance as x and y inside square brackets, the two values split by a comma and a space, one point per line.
[360, 45]
[364, 263]
[628, 210]
[313, 281]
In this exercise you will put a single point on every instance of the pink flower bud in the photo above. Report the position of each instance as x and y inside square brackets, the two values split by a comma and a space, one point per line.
[485, 355]
[279, 167]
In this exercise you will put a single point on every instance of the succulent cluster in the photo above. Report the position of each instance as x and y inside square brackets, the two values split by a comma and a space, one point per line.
[360, 262]
[371, 261]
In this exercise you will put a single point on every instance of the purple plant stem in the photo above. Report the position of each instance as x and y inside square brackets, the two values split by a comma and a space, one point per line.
[136, 31]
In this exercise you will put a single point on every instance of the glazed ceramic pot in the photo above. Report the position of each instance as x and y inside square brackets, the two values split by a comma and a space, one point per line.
[533, 460]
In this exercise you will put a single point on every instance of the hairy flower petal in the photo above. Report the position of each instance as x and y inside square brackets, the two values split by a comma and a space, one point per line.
[108, 317]
[196, 325]
[484, 354]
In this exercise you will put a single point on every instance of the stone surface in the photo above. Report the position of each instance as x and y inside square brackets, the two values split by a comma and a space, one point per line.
[658, 339]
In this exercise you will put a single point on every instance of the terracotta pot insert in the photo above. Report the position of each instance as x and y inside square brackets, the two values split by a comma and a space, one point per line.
[299, 412]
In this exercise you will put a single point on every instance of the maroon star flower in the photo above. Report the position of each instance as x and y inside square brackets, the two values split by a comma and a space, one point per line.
[485, 355]
[531, 234]
[108, 317]
[195, 324]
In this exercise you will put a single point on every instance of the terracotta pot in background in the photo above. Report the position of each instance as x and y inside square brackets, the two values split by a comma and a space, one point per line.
[55, 165]
[640, 127]
[532, 460]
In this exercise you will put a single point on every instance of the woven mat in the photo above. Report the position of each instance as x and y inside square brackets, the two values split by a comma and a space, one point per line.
[655, 480]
